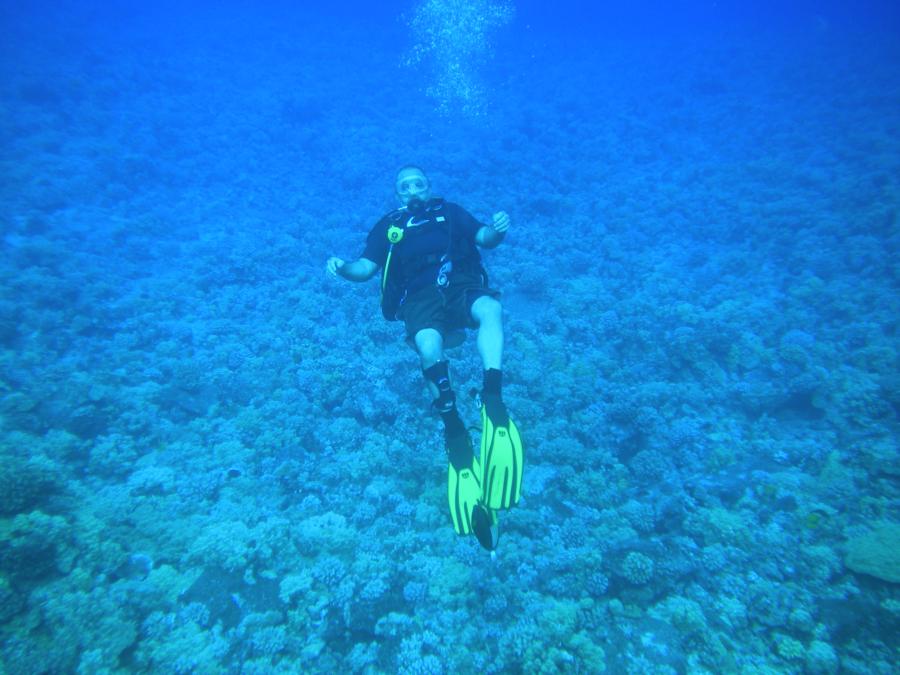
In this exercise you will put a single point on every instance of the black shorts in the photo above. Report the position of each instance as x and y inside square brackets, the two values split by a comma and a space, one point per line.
[447, 310]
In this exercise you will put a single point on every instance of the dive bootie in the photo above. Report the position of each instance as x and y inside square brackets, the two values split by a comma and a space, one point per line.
[502, 456]
[484, 525]
[463, 482]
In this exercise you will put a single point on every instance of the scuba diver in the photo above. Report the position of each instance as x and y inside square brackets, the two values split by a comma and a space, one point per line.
[432, 279]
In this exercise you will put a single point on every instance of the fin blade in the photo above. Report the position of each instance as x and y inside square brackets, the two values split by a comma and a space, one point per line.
[463, 492]
[502, 459]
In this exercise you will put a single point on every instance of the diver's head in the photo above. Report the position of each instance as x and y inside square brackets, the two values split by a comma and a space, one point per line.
[412, 185]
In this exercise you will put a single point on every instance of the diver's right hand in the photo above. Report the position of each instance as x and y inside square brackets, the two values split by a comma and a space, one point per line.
[333, 265]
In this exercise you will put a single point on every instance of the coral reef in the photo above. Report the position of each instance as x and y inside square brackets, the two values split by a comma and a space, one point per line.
[215, 458]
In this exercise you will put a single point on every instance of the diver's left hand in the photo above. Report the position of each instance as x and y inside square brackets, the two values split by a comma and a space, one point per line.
[501, 221]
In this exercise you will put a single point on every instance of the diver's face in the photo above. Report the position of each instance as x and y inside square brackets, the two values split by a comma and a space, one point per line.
[412, 184]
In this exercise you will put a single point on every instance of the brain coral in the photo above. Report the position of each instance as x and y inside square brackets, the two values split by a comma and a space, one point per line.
[876, 553]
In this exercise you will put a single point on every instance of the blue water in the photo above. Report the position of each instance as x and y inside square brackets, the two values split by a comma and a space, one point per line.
[216, 458]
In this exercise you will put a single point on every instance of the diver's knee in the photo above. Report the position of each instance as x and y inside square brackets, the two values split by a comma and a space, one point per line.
[487, 308]
[430, 346]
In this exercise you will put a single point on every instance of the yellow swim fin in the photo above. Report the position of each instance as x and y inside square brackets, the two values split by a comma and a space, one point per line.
[463, 482]
[502, 456]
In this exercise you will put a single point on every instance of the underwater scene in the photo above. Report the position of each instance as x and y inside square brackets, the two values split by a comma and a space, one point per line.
[668, 232]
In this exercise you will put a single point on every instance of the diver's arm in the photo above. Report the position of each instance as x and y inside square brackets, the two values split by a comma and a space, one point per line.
[358, 270]
[490, 236]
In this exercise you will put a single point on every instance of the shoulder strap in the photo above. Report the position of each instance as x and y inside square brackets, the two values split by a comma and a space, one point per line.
[394, 233]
